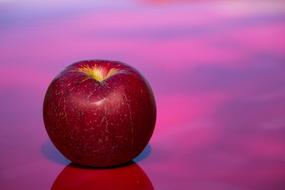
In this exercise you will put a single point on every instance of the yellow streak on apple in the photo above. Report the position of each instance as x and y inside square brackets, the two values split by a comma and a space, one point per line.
[98, 73]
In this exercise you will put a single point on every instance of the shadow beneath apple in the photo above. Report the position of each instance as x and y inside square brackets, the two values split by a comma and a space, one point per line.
[144, 154]
[52, 154]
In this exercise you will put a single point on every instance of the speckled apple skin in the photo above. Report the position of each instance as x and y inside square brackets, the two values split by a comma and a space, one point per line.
[99, 124]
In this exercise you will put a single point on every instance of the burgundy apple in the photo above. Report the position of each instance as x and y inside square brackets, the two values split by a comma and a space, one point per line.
[99, 113]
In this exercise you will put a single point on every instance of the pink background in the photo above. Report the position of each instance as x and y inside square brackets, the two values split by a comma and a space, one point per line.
[217, 69]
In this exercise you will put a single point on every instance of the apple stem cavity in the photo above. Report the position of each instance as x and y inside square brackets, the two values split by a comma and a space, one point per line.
[97, 73]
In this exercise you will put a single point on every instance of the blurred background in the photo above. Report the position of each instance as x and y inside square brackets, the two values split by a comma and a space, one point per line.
[217, 69]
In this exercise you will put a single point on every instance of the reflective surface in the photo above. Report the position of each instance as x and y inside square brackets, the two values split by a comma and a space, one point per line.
[216, 67]
[128, 177]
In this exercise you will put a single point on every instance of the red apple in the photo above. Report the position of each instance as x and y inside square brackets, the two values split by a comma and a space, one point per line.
[99, 113]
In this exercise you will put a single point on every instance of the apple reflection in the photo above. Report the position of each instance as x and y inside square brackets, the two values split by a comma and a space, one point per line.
[127, 177]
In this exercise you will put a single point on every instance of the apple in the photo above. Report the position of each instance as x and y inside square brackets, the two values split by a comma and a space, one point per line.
[99, 113]
[130, 177]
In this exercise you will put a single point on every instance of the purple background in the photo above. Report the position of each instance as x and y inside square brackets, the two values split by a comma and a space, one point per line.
[217, 69]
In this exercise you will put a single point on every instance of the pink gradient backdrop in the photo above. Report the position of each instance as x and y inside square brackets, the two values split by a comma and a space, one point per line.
[217, 69]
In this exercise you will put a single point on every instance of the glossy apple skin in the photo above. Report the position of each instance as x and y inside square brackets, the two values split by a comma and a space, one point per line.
[99, 124]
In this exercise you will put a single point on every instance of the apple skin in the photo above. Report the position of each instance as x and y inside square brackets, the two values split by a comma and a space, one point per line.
[99, 123]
